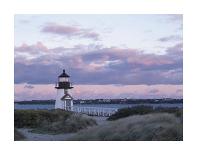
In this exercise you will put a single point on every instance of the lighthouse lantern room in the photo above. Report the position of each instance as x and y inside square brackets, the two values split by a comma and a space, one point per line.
[63, 99]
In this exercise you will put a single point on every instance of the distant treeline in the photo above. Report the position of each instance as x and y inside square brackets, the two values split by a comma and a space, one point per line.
[109, 101]
[36, 102]
[128, 101]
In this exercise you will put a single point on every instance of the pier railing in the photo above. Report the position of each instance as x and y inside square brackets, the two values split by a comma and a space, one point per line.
[95, 111]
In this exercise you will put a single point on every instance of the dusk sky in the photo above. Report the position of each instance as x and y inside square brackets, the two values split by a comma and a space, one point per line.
[107, 56]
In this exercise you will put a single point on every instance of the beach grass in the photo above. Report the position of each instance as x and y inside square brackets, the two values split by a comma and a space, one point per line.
[148, 127]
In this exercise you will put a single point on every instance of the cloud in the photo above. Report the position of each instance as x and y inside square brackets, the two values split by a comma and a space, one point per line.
[153, 91]
[99, 65]
[29, 86]
[39, 53]
[170, 38]
[70, 31]
[36, 73]
[39, 49]
[33, 49]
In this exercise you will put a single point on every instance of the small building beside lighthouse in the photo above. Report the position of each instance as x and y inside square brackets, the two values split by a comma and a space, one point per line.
[64, 100]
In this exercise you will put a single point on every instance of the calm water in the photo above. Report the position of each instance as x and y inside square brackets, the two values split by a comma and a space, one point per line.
[118, 106]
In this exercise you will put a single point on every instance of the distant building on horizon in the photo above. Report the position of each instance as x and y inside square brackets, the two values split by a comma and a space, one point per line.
[64, 100]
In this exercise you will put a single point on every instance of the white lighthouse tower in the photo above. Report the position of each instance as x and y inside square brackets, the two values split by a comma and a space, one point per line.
[63, 99]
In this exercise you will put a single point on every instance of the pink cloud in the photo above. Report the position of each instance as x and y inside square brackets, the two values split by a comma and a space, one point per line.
[36, 92]
[39, 46]
[101, 91]
[70, 31]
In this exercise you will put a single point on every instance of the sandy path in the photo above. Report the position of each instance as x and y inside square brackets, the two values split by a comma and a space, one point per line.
[58, 137]
[43, 137]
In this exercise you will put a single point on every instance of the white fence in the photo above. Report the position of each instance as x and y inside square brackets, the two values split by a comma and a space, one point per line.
[95, 111]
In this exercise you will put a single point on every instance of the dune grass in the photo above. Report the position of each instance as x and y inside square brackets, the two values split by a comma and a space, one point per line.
[53, 121]
[149, 127]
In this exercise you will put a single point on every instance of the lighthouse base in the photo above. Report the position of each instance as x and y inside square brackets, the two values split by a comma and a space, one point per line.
[63, 101]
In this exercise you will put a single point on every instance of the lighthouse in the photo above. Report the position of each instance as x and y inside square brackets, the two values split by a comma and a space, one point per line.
[63, 99]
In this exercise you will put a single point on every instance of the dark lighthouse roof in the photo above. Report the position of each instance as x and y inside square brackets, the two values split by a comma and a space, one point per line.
[64, 74]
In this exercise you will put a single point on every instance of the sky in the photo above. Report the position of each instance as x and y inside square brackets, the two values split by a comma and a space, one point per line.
[106, 56]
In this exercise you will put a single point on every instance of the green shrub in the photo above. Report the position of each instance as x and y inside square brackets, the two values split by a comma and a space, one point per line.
[149, 127]
[141, 110]
[137, 110]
